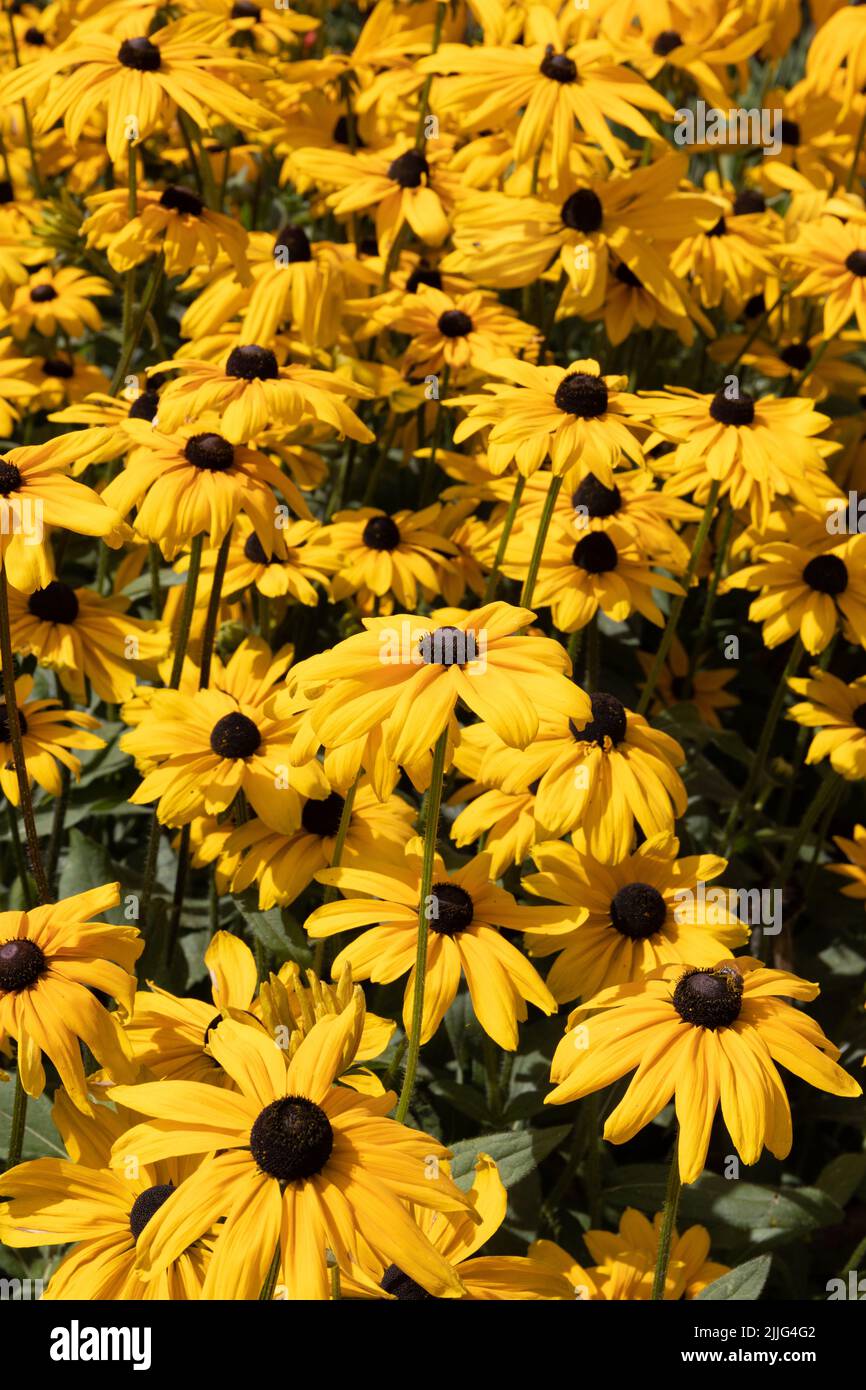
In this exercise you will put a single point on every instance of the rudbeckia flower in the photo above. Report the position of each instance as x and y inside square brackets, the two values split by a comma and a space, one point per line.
[52, 958]
[836, 57]
[297, 1164]
[574, 414]
[380, 558]
[200, 751]
[677, 685]
[282, 866]
[855, 869]
[838, 712]
[35, 492]
[604, 570]
[251, 390]
[123, 72]
[54, 299]
[460, 332]
[408, 673]
[465, 913]
[646, 910]
[55, 1201]
[552, 84]
[626, 1261]
[731, 259]
[194, 481]
[48, 731]
[173, 221]
[705, 1038]
[808, 590]
[85, 637]
[62, 380]
[485, 1278]
[287, 571]
[829, 257]
[757, 449]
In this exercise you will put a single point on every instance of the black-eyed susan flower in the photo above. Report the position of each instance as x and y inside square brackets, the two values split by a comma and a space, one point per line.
[706, 1038]
[646, 910]
[199, 752]
[486, 1278]
[173, 221]
[282, 866]
[806, 589]
[297, 1164]
[464, 915]
[550, 84]
[194, 481]
[756, 448]
[52, 959]
[730, 260]
[122, 72]
[575, 415]
[85, 637]
[463, 332]
[48, 731]
[408, 673]
[288, 570]
[829, 258]
[838, 712]
[386, 560]
[250, 390]
[677, 684]
[855, 869]
[56, 299]
[100, 1212]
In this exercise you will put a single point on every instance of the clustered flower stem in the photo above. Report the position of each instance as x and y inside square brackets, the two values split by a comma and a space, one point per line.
[507, 527]
[541, 537]
[431, 833]
[669, 1218]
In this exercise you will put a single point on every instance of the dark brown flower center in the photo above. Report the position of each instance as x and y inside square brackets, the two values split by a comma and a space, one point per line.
[409, 169]
[254, 551]
[626, 276]
[828, 574]
[666, 42]
[252, 363]
[56, 367]
[145, 406]
[323, 817]
[608, 721]
[638, 911]
[10, 478]
[755, 307]
[424, 275]
[42, 294]
[295, 241]
[381, 533]
[796, 355]
[400, 1286]
[56, 603]
[856, 263]
[582, 395]
[447, 646]
[140, 54]
[178, 199]
[5, 734]
[146, 1205]
[719, 228]
[558, 66]
[709, 998]
[736, 410]
[749, 201]
[451, 910]
[209, 452]
[455, 324]
[292, 1139]
[245, 9]
[34, 37]
[235, 736]
[595, 553]
[859, 716]
[582, 211]
[599, 500]
[790, 132]
[21, 964]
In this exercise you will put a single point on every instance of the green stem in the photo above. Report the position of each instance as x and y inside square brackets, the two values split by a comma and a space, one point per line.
[19, 1121]
[431, 833]
[13, 722]
[428, 81]
[213, 608]
[131, 338]
[541, 537]
[677, 606]
[20, 859]
[592, 654]
[759, 762]
[712, 588]
[852, 172]
[270, 1283]
[669, 1218]
[336, 859]
[823, 798]
[507, 528]
[428, 478]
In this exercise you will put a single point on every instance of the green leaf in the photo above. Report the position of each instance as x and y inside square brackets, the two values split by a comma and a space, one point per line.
[276, 929]
[842, 1176]
[40, 1137]
[745, 1283]
[515, 1152]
